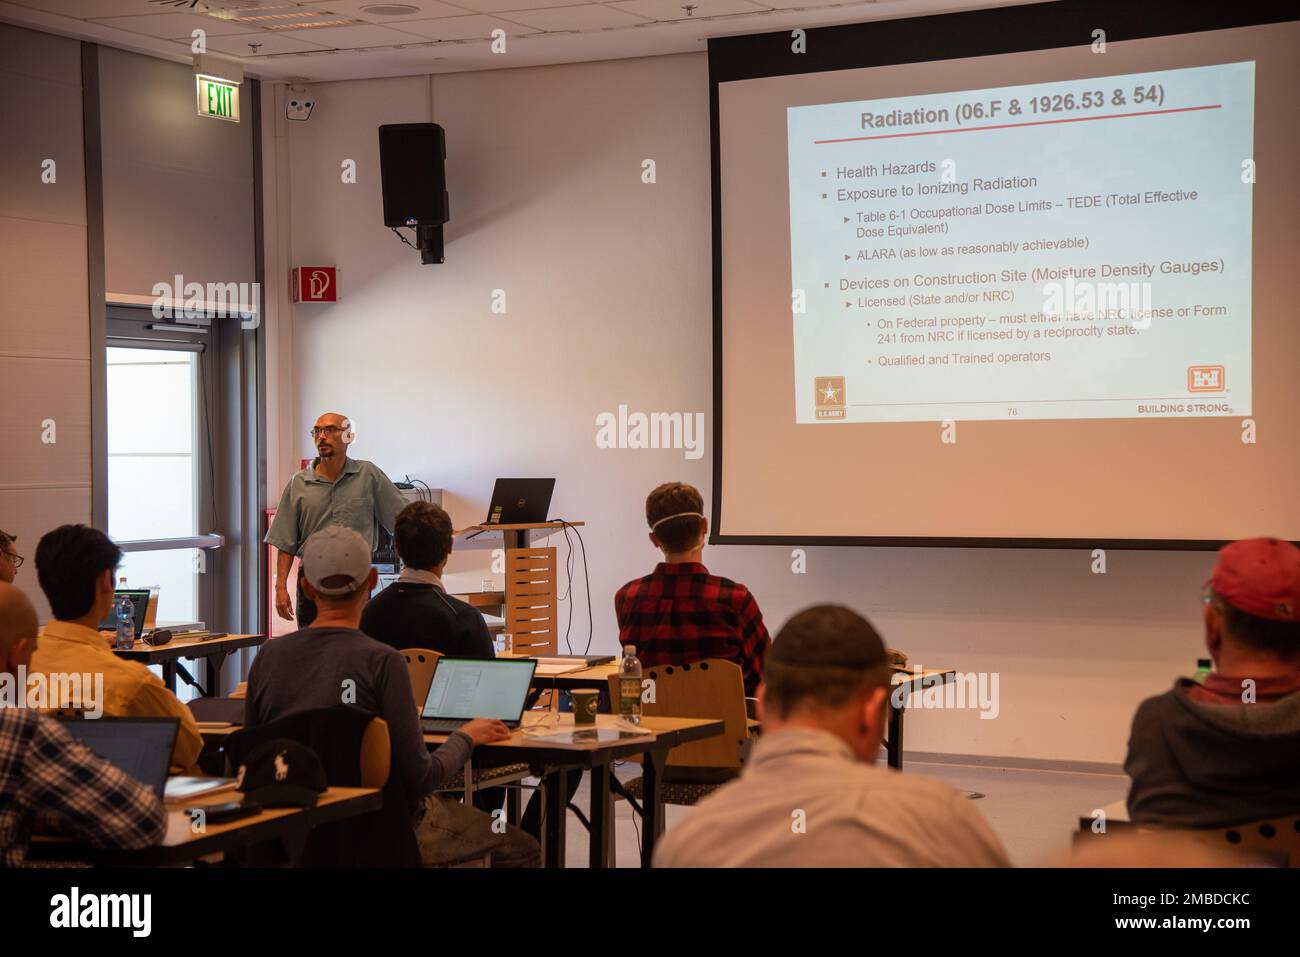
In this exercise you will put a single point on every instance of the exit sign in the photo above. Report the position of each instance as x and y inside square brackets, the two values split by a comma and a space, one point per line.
[218, 98]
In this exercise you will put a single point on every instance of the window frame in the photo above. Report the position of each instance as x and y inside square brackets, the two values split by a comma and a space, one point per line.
[134, 327]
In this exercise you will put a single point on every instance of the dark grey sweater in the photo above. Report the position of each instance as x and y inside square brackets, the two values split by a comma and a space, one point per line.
[1213, 765]
[324, 667]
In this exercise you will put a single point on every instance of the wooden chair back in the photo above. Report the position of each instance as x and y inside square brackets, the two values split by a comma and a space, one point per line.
[1280, 836]
[376, 754]
[421, 664]
[711, 688]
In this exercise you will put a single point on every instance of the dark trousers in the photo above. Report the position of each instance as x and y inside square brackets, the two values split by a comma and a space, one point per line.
[306, 608]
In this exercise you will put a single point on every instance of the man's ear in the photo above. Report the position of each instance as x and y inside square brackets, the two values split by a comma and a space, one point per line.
[308, 592]
[20, 655]
[372, 579]
[873, 713]
[704, 529]
[760, 702]
[108, 580]
[654, 540]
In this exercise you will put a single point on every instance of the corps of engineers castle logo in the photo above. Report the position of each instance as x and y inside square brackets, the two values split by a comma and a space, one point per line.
[830, 403]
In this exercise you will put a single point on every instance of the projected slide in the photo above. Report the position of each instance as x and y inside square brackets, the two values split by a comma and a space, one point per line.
[1058, 250]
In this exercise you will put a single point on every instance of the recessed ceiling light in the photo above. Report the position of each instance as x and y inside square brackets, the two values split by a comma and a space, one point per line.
[390, 9]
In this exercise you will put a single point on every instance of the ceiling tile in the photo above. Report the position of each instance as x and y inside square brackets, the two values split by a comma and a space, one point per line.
[472, 27]
[501, 6]
[870, 8]
[170, 25]
[587, 16]
[271, 43]
[353, 37]
[85, 9]
[428, 9]
[673, 9]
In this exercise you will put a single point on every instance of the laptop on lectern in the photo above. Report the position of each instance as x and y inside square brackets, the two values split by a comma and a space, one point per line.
[520, 501]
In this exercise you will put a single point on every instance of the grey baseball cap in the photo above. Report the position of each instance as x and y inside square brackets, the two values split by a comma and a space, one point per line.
[334, 551]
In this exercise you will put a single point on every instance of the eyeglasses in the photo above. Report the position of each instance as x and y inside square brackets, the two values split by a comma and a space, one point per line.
[330, 430]
[15, 559]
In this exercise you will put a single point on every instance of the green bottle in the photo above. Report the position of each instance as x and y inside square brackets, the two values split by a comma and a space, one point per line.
[1203, 668]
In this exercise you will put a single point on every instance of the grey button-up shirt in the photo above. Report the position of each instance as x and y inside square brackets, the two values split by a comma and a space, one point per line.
[362, 498]
[804, 800]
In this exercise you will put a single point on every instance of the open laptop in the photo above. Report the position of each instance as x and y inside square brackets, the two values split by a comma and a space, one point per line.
[144, 608]
[520, 501]
[468, 688]
[140, 747]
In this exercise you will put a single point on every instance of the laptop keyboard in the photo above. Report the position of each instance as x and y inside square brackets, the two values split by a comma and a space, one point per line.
[441, 725]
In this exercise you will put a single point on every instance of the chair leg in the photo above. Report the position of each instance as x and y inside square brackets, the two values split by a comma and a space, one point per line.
[512, 806]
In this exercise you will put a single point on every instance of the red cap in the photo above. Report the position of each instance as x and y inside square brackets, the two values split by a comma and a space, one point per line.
[1260, 576]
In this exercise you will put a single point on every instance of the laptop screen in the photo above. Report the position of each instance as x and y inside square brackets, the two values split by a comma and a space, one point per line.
[479, 688]
[141, 747]
[139, 607]
[520, 501]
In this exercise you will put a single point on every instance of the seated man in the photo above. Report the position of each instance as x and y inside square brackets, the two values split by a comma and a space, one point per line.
[76, 567]
[333, 663]
[813, 793]
[416, 611]
[1228, 751]
[10, 560]
[44, 770]
[679, 613]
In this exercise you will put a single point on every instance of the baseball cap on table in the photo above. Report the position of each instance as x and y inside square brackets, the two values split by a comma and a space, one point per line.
[282, 773]
[332, 551]
[1260, 576]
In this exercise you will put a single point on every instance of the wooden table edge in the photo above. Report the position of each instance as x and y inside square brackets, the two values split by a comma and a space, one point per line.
[243, 833]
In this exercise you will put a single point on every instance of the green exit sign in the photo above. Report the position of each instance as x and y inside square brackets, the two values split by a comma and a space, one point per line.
[218, 98]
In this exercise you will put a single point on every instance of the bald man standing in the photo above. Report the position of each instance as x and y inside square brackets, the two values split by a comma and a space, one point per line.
[44, 770]
[335, 490]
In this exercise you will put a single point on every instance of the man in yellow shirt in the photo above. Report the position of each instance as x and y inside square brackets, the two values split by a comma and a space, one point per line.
[77, 567]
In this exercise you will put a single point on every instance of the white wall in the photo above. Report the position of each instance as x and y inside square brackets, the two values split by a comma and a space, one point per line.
[178, 187]
[45, 318]
[608, 295]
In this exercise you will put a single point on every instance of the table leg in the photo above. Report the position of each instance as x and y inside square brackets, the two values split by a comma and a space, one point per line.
[169, 675]
[602, 816]
[652, 802]
[894, 746]
[557, 813]
[216, 662]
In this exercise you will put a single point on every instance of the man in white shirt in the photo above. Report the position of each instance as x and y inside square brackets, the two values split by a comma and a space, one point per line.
[813, 793]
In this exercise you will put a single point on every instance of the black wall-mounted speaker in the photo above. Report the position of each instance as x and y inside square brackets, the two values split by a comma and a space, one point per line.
[412, 170]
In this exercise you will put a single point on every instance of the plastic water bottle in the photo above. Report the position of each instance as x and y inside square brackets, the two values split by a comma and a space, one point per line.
[1204, 666]
[629, 685]
[125, 625]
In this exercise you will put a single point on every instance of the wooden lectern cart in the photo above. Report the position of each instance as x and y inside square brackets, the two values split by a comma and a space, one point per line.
[528, 603]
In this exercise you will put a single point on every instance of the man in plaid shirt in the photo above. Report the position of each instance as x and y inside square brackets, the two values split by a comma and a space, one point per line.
[45, 771]
[680, 613]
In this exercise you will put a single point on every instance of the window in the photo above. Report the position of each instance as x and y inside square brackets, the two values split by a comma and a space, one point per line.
[153, 469]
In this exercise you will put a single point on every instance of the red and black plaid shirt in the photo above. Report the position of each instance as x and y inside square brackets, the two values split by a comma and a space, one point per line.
[680, 613]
